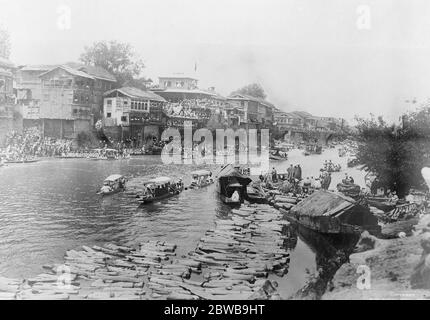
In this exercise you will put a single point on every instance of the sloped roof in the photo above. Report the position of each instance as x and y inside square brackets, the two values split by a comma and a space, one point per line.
[324, 203]
[304, 114]
[178, 76]
[137, 93]
[71, 71]
[243, 97]
[98, 72]
[39, 67]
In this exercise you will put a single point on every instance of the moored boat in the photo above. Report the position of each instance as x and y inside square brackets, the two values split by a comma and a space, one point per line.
[231, 185]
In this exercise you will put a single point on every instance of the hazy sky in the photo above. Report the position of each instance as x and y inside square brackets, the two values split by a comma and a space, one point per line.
[331, 57]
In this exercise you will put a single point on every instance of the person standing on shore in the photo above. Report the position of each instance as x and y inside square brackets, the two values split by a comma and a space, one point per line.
[299, 172]
[290, 173]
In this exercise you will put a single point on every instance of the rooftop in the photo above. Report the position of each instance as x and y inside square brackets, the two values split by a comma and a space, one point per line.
[98, 72]
[70, 70]
[137, 93]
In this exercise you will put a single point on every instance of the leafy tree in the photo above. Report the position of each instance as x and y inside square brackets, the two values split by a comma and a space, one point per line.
[253, 89]
[118, 58]
[395, 153]
[4, 44]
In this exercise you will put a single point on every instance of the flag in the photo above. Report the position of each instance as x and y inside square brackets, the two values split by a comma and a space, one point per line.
[195, 66]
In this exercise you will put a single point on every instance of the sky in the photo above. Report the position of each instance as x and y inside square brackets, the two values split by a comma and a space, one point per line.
[331, 58]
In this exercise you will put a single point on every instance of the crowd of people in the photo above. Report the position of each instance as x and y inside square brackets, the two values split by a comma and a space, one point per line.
[31, 143]
[190, 108]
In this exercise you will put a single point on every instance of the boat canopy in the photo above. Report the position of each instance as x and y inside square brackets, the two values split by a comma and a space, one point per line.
[160, 180]
[113, 177]
[201, 173]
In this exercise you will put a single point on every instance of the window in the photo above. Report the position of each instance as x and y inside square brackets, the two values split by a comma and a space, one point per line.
[132, 104]
[109, 102]
[124, 118]
[125, 102]
[108, 115]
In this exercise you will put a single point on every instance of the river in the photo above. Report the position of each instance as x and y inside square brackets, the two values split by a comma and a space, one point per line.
[51, 206]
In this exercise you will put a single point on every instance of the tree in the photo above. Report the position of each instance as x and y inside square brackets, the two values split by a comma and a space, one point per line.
[117, 58]
[4, 44]
[254, 89]
[395, 154]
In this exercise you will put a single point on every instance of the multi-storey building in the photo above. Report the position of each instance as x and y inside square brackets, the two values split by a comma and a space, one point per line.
[133, 113]
[7, 97]
[258, 113]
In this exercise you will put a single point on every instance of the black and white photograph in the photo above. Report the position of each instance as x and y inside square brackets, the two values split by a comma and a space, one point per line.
[233, 150]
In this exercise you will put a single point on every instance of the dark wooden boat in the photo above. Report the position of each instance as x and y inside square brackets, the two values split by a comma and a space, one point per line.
[333, 213]
[159, 189]
[231, 185]
[382, 203]
[256, 194]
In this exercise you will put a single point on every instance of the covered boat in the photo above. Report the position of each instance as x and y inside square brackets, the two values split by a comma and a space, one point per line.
[160, 188]
[231, 185]
[333, 213]
[201, 178]
[113, 184]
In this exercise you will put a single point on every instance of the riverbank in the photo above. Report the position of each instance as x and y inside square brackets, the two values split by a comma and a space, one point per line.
[391, 263]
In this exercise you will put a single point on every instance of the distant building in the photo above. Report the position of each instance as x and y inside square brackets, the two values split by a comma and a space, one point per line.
[7, 97]
[178, 82]
[285, 121]
[29, 91]
[258, 113]
[62, 100]
[133, 113]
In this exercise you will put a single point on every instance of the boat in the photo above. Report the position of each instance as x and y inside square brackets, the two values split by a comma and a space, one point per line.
[331, 167]
[231, 185]
[278, 154]
[312, 149]
[256, 194]
[159, 188]
[349, 189]
[352, 162]
[22, 161]
[382, 203]
[201, 178]
[112, 184]
[333, 213]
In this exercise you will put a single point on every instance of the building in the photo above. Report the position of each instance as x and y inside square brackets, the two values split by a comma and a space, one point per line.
[103, 81]
[177, 82]
[7, 97]
[309, 121]
[29, 92]
[133, 113]
[285, 121]
[62, 100]
[258, 113]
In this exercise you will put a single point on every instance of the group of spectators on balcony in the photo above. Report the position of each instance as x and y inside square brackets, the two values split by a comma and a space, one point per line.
[31, 143]
[191, 108]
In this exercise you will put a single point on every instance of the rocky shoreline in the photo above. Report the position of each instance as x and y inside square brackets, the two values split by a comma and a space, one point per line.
[392, 263]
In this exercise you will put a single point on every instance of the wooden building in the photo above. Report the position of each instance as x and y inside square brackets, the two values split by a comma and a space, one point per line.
[133, 113]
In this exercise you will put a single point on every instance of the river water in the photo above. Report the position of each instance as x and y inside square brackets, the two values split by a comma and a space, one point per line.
[51, 206]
